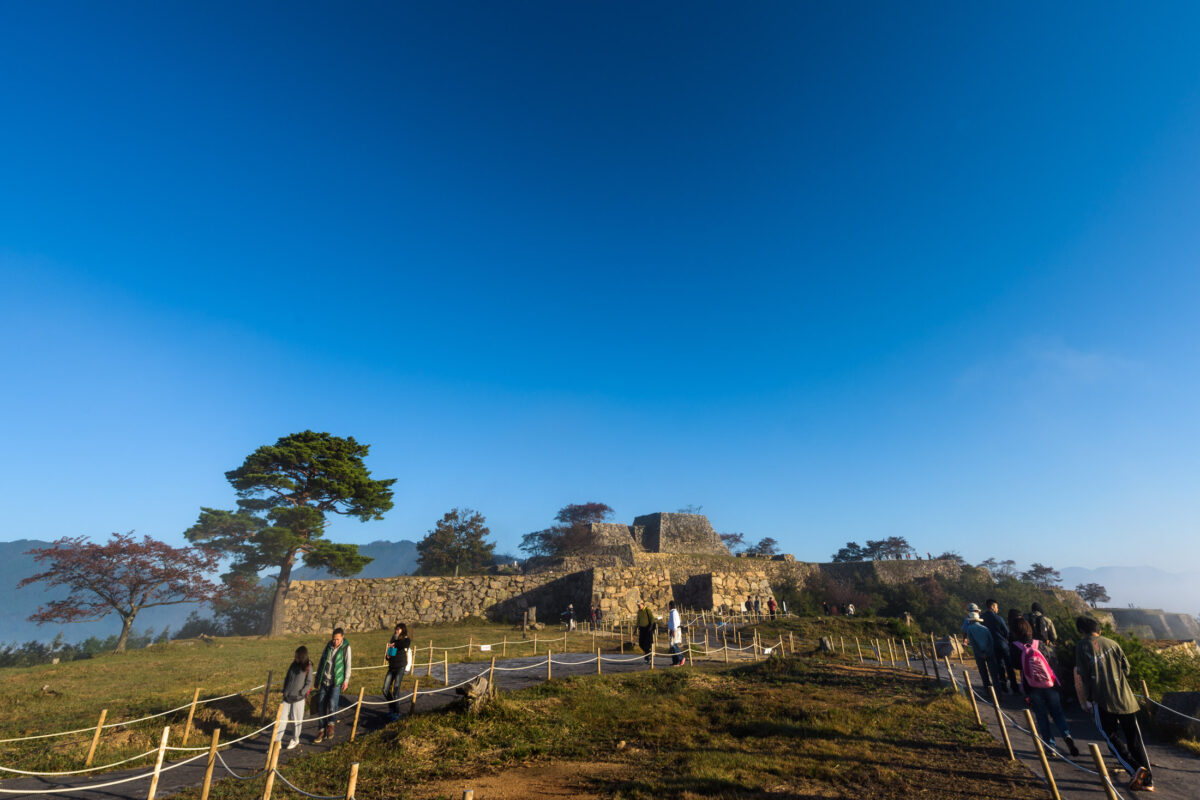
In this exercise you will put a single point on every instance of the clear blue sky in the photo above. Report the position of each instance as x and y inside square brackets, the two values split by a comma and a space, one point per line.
[832, 271]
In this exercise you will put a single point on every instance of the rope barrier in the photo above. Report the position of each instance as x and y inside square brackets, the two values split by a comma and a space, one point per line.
[234, 775]
[298, 790]
[79, 771]
[93, 786]
[1166, 708]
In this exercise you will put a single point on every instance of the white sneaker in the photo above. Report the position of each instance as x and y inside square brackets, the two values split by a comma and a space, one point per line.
[293, 744]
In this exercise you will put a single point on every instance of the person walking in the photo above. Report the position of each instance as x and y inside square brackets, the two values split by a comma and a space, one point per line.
[1043, 626]
[1040, 683]
[982, 646]
[749, 604]
[297, 683]
[395, 655]
[646, 623]
[1103, 670]
[998, 628]
[757, 608]
[675, 632]
[333, 678]
[771, 607]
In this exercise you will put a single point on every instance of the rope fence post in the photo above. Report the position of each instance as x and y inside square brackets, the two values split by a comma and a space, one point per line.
[187, 729]
[96, 738]
[272, 763]
[859, 649]
[891, 653]
[904, 646]
[971, 694]
[950, 672]
[1102, 770]
[212, 762]
[653, 644]
[535, 643]
[158, 762]
[549, 662]
[446, 667]
[598, 662]
[792, 642]
[352, 783]
[1003, 727]
[843, 641]
[266, 693]
[1041, 751]
[1146, 693]
[276, 731]
[358, 710]
[937, 673]
[412, 709]
[504, 647]
[961, 647]
[492, 677]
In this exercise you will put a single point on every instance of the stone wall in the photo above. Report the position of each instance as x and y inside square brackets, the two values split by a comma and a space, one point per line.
[679, 533]
[1153, 623]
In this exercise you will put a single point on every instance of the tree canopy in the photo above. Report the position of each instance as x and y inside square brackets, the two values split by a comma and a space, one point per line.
[765, 547]
[571, 535]
[1092, 593]
[285, 491]
[456, 543]
[123, 575]
[1041, 576]
[891, 547]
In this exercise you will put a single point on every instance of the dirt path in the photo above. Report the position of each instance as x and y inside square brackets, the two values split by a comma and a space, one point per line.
[247, 758]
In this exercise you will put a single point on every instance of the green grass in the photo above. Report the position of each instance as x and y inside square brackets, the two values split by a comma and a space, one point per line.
[795, 726]
[160, 677]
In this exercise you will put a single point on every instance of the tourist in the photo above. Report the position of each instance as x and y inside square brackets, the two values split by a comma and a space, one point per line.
[1041, 685]
[1000, 643]
[1103, 669]
[646, 623]
[757, 608]
[749, 604]
[771, 606]
[569, 617]
[333, 678]
[982, 646]
[850, 609]
[675, 633]
[395, 655]
[825, 607]
[297, 683]
[1043, 626]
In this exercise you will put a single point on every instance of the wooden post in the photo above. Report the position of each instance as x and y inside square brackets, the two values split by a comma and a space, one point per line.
[726, 649]
[549, 662]
[358, 710]
[352, 784]
[1000, 719]
[470, 646]
[599, 671]
[924, 663]
[653, 644]
[950, 672]
[960, 650]
[446, 666]
[971, 694]
[492, 677]
[904, 646]
[212, 762]
[187, 729]
[96, 738]
[593, 638]
[937, 674]
[933, 650]
[429, 669]
[275, 734]
[535, 643]
[272, 761]
[1098, 760]
[266, 691]
[158, 762]
[1041, 751]
[1146, 693]
[859, 649]
[843, 640]
[504, 646]
[412, 709]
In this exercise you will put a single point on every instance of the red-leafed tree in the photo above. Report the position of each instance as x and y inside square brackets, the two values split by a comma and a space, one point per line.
[573, 533]
[122, 575]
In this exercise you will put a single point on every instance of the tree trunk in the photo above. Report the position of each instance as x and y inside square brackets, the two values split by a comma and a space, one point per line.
[281, 586]
[126, 627]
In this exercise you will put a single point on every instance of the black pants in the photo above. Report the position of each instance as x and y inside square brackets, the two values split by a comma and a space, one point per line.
[646, 638]
[391, 689]
[1004, 667]
[1132, 752]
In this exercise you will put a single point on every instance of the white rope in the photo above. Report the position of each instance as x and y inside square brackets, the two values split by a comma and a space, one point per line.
[1167, 708]
[297, 789]
[518, 669]
[80, 771]
[234, 775]
[130, 721]
[93, 786]
[250, 735]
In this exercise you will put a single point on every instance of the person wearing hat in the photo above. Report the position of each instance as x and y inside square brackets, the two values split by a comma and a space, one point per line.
[982, 645]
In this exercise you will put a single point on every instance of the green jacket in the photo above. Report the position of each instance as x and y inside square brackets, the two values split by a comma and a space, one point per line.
[341, 664]
[1103, 666]
[645, 618]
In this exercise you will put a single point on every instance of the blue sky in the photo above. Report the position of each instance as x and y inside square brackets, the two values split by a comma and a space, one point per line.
[831, 271]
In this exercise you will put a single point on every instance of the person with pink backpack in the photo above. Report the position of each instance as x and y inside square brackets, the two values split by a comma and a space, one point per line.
[1041, 685]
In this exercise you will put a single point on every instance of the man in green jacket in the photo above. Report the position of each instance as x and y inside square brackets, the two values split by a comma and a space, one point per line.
[646, 623]
[333, 677]
[1103, 670]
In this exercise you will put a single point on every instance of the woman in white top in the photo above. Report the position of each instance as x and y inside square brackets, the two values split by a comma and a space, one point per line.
[675, 630]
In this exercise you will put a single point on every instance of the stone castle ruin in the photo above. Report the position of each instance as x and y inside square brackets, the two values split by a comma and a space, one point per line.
[659, 558]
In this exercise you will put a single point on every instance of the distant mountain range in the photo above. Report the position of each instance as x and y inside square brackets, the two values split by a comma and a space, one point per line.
[391, 558]
[1144, 587]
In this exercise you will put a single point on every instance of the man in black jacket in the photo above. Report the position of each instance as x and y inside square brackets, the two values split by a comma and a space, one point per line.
[1000, 638]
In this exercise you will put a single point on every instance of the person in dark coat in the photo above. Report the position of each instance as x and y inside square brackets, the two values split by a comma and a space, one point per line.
[396, 656]
[646, 623]
[1001, 640]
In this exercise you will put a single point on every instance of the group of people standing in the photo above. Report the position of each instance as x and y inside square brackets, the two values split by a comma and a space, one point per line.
[331, 676]
[1025, 645]
[647, 626]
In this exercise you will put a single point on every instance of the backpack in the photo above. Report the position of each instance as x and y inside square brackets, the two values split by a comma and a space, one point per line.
[1035, 667]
